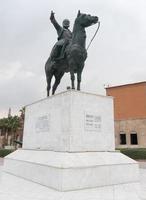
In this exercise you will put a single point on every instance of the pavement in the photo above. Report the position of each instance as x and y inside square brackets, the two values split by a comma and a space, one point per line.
[142, 164]
[1, 161]
[14, 188]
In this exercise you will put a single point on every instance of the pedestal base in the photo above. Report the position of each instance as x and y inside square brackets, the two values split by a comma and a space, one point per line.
[15, 188]
[68, 146]
[72, 171]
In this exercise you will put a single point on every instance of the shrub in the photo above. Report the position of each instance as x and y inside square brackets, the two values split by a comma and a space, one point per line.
[5, 152]
[135, 153]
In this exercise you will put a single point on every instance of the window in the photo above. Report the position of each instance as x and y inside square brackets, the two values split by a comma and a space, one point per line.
[122, 138]
[133, 137]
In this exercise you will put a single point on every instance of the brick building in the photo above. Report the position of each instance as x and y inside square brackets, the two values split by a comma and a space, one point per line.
[130, 114]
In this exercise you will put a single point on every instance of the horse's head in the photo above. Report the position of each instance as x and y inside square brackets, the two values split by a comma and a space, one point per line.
[86, 20]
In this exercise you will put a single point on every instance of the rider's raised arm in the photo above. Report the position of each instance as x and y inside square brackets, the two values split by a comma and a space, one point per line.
[55, 23]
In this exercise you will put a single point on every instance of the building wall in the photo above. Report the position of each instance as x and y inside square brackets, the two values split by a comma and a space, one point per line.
[129, 101]
[129, 112]
[131, 126]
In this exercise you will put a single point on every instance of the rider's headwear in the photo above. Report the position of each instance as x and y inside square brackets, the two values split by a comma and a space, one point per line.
[66, 23]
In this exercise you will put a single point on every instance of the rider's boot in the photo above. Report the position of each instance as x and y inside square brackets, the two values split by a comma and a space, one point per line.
[62, 51]
[56, 53]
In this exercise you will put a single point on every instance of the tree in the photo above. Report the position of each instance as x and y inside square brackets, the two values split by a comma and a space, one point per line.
[22, 112]
[4, 124]
[13, 124]
[9, 126]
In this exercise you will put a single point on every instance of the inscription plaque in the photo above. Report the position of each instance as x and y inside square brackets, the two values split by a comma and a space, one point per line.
[42, 124]
[92, 122]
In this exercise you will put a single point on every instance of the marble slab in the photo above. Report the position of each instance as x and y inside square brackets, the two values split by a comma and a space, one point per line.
[71, 121]
[72, 171]
[15, 188]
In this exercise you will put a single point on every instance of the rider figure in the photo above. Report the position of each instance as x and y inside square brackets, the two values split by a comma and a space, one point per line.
[64, 36]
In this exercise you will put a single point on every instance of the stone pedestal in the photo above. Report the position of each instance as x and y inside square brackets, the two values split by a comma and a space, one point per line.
[68, 146]
[73, 171]
[70, 122]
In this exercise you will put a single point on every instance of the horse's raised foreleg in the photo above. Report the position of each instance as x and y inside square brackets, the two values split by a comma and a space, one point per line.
[57, 81]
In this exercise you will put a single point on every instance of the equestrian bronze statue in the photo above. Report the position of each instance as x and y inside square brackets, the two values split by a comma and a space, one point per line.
[69, 53]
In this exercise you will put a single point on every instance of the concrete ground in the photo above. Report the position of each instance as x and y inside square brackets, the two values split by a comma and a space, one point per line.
[20, 189]
[1, 161]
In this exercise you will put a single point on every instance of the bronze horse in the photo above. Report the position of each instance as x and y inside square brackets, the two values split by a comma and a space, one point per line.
[75, 55]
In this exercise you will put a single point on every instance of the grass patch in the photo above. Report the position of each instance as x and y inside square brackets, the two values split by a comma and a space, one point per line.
[5, 152]
[134, 153]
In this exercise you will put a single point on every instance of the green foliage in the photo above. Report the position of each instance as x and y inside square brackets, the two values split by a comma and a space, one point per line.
[10, 123]
[135, 153]
[22, 112]
[3, 123]
[10, 126]
[5, 152]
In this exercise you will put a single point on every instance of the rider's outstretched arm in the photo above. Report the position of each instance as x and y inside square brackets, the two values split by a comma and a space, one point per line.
[55, 23]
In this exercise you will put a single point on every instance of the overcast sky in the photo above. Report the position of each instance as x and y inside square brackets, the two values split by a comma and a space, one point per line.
[116, 56]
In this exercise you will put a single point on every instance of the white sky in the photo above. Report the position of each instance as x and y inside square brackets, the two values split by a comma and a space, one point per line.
[116, 56]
